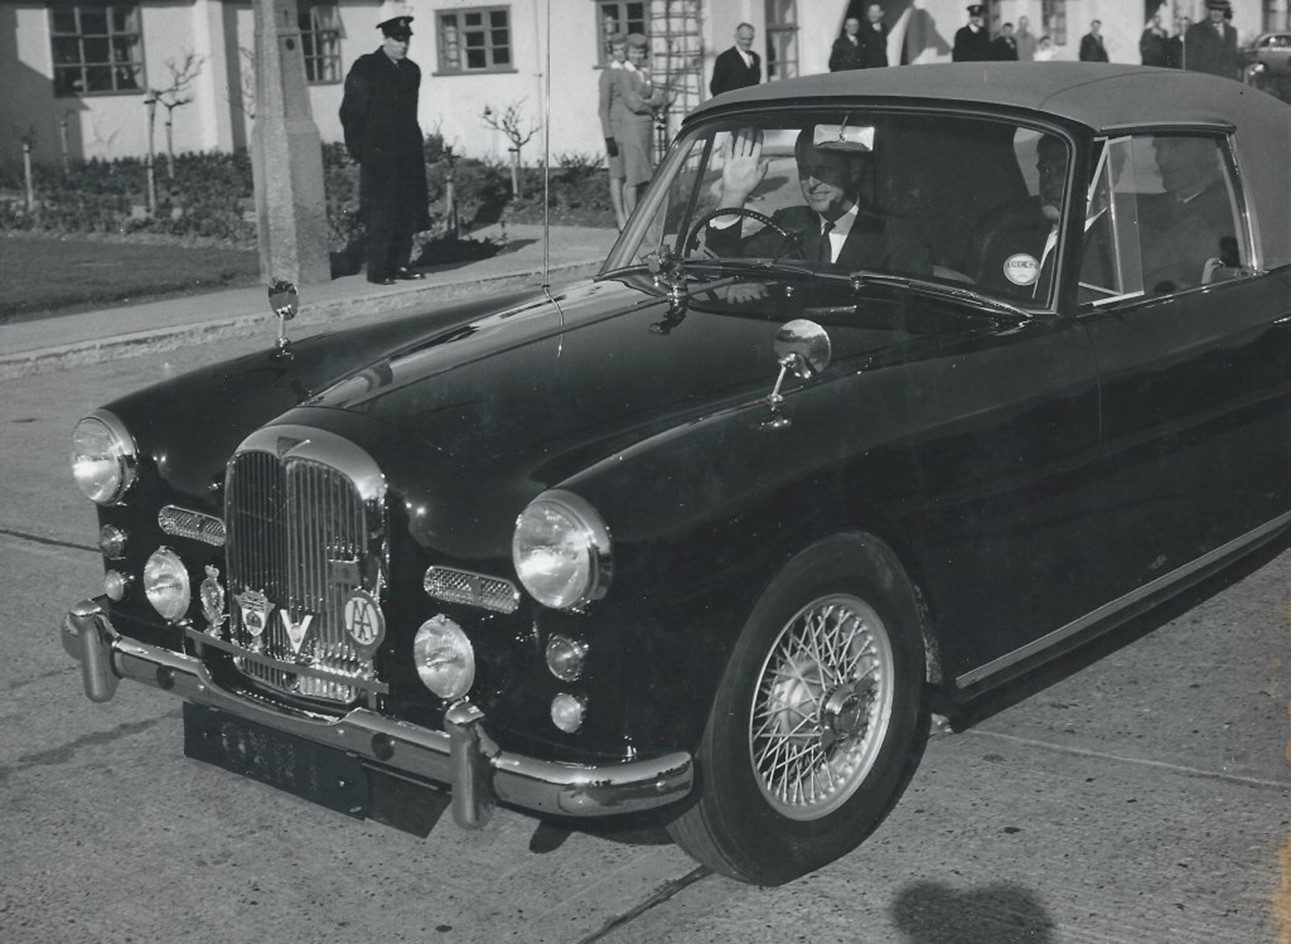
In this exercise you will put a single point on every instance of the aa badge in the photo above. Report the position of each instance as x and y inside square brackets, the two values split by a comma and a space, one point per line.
[363, 619]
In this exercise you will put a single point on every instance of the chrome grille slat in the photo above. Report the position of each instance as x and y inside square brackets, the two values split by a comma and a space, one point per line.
[291, 515]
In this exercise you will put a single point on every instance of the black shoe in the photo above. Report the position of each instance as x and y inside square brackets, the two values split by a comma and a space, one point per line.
[405, 273]
[381, 280]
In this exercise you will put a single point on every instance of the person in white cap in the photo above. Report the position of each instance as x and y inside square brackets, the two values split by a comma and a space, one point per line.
[379, 115]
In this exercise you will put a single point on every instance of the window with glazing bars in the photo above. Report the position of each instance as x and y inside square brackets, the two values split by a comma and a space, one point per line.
[320, 40]
[475, 40]
[1053, 13]
[615, 16]
[97, 48]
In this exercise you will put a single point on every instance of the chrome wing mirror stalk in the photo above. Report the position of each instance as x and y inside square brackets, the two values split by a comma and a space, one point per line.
[802, 348]
[282, 299]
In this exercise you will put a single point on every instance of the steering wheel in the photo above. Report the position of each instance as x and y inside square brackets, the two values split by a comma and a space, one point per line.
[766, 221]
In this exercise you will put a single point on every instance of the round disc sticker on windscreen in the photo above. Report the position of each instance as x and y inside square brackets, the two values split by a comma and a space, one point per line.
[1022, 268]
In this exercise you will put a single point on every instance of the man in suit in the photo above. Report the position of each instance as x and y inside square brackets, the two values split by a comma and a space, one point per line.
[973, 42]
[1004, 48]
[1017, 242]
[833, 229]
[1192, 222]
[874, 38]
[1091, 44]
[1211, 45]
[848, 51]
[379, 117]
[739, 66]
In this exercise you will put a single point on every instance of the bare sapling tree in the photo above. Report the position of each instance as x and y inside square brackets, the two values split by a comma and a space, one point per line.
[510, 122]
[175, 95]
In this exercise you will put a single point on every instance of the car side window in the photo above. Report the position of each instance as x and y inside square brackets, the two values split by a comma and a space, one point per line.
[1162, 217]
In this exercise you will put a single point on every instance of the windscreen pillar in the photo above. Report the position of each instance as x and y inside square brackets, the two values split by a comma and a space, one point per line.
[286, 154]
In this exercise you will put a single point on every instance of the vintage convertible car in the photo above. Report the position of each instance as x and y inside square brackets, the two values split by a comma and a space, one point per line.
[713, 533]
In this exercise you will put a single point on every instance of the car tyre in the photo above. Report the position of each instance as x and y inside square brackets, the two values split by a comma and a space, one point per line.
[814, 728]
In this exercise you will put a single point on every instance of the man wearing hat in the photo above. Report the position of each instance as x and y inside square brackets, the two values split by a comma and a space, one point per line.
[379, 115]
[973, 42]
[1210, 45]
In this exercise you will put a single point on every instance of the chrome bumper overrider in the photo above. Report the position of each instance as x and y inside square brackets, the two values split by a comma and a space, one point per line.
[464, 757]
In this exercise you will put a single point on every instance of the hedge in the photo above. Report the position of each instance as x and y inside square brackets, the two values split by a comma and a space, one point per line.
[212, 199]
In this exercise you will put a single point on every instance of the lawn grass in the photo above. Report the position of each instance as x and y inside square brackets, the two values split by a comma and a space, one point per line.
[44, 274]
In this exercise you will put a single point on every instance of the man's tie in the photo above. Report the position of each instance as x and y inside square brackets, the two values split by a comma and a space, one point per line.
[825, 252]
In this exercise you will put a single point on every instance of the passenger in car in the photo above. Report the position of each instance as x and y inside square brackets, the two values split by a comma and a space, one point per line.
[834, 228]
[1190, 228]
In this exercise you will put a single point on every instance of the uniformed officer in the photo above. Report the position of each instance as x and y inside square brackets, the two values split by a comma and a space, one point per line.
[973, 42]
[379, 115]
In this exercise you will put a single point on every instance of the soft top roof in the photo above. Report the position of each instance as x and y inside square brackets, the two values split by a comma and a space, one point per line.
[1100, 96]
[1097, 95]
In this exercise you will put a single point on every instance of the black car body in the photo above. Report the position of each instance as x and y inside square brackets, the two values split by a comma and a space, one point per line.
[708, 533]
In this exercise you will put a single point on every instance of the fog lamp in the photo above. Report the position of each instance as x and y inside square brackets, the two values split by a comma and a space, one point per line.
[444, 658]
[567, 712]
[112, 542]
[165, 582]
[116, 585]
[565, 657]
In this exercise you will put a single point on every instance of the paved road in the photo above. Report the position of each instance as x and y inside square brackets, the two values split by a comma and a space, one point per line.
[1145, 797]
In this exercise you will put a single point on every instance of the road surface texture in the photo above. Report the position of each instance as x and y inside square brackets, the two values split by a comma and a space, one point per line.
[1144, 796]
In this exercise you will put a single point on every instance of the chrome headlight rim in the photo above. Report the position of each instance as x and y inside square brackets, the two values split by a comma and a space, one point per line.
[592, 536]
[123, 452]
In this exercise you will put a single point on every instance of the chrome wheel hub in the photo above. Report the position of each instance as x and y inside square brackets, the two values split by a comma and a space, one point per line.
[821, 707]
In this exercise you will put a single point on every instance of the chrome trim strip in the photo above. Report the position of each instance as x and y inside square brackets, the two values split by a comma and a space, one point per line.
[1134, 596]
[185, 523]
[476, 765]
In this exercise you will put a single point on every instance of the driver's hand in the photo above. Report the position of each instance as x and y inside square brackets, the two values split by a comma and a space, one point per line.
[742, 167]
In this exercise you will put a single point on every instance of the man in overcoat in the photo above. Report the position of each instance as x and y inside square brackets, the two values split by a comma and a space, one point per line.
[1210, 45]
[739, 66]
[379, 116]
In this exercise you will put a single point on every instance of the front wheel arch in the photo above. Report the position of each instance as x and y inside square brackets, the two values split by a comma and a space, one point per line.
[817, 720]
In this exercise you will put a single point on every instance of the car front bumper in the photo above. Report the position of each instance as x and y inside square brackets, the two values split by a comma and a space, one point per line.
[463, 756]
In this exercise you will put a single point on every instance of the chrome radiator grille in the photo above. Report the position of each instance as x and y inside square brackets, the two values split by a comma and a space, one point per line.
[305, 514]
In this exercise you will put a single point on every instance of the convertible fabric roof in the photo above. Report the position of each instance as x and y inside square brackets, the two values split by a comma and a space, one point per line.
[1100, 96]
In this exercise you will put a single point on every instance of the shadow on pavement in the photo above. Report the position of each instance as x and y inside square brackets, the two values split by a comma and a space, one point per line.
[1004, 913]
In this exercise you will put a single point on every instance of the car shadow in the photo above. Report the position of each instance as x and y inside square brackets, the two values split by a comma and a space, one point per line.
[1002, 913]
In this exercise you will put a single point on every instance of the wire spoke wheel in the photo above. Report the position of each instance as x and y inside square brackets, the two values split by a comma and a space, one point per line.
[821, 706]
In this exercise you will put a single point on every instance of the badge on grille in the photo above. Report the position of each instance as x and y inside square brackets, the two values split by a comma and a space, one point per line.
[296, 632]
[255, 607]
[212, 596]
[363, 619]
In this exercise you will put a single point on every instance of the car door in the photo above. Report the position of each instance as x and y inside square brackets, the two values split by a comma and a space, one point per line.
[1192, 344]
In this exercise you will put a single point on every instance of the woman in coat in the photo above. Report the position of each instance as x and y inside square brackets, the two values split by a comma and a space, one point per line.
[632, 111]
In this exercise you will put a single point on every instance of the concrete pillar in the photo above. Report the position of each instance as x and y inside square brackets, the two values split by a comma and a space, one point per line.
[286, 155]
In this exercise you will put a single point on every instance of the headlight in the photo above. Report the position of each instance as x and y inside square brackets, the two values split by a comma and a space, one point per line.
[444, 658]
[103, 457]
[561, 550]
[165, 582]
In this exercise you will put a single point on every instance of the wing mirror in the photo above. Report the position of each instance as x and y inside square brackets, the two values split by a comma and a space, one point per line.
[802, 348]
[282, 299]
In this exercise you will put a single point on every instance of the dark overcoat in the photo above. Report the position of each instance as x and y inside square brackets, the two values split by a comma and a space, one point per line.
[1206, 51]
[379, 115]
[730, 72]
